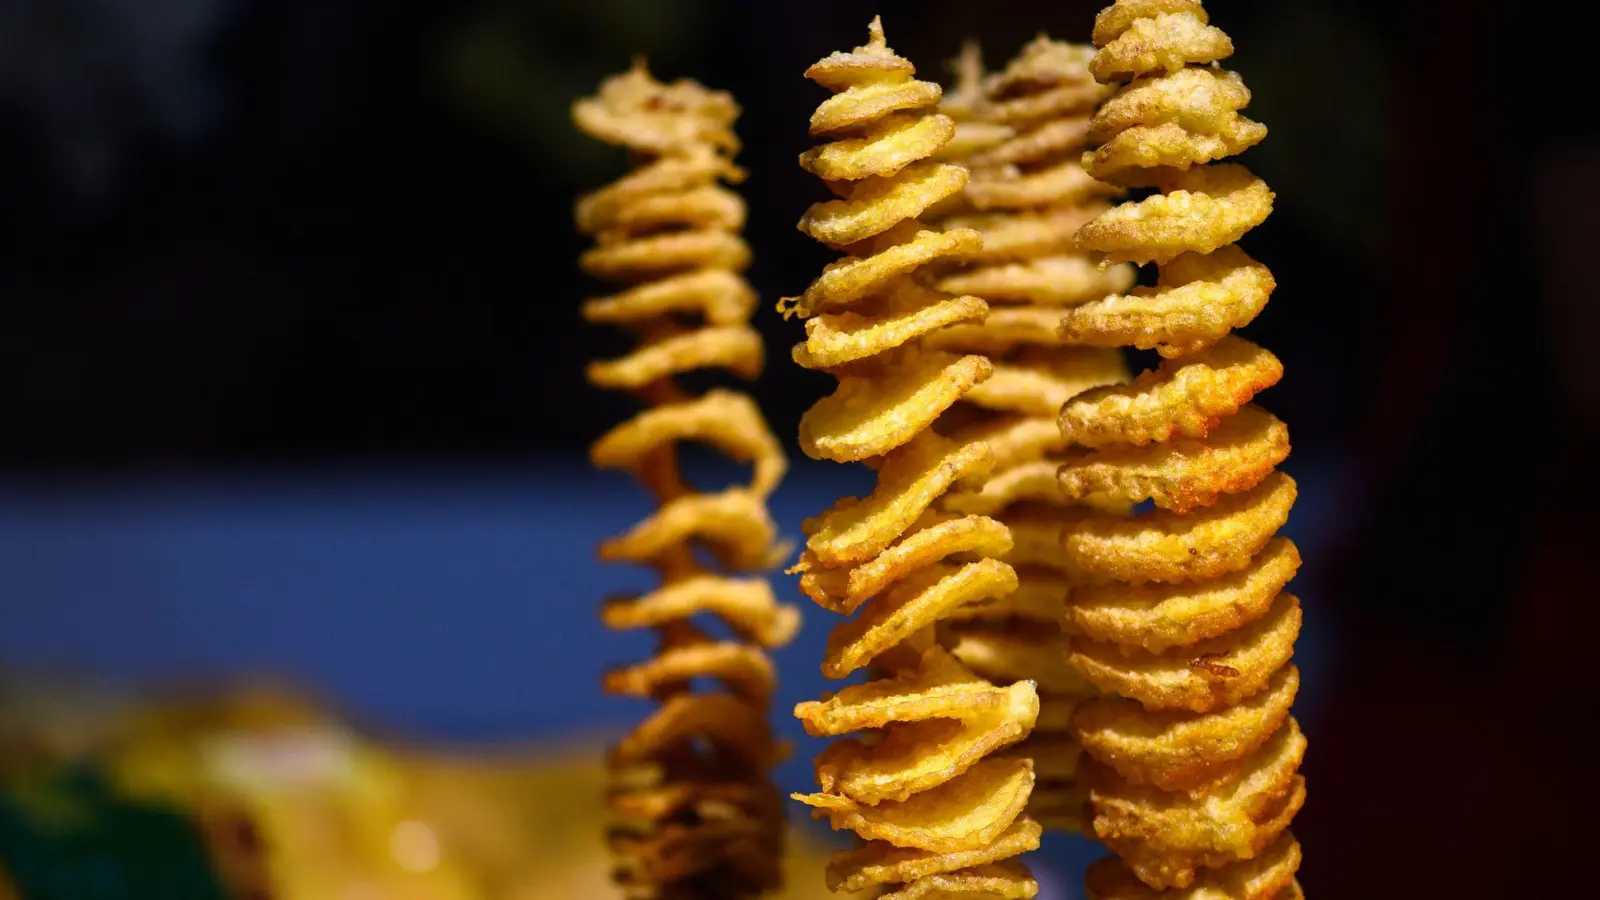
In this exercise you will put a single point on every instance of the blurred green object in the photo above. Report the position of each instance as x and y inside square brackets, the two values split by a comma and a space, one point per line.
[70, 836]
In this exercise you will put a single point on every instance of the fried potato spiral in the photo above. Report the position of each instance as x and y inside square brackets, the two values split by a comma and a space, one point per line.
[1193, 766]
[934, 791]
[689, 789]
[1027, 197]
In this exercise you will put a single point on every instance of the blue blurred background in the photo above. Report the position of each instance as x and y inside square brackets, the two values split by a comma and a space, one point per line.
[292, 370]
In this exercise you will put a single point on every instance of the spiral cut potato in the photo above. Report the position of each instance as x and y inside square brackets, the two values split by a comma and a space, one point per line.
[932, 789]
[1192, 768]
[1025, 129]
[696, 814]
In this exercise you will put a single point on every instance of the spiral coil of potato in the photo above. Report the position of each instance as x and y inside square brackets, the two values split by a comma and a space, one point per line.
[697, 815]
[1193, 769]
[1024, 129]
[938, 804]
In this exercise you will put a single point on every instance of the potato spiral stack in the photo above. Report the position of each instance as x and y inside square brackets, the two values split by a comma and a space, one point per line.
[1193, 779]
[1030, 196]
[940, 812]
[697, 816]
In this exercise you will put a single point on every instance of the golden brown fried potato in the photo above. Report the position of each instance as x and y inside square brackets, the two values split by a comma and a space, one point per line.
[909, 481]
[1166, 547]
[998, 881]
[1198, 300]
[1047, 281]
[1183, 474]
[844, 590]
[1165, 42]
[913, 603]
[1267, 876]
[937, 687]
[1203, 209]
[877, 864]
[729, 421]
[1178, 750]
[963, 814]
[916, 756]
[1037, 385]
[734, 524]
[1186, 396]
[1158, 616]
[1165, 838]
[1203, 677]
[835, 339]
[746, 604]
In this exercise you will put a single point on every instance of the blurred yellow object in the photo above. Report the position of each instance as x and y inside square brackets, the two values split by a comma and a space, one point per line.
[530, 824]
[296, 805]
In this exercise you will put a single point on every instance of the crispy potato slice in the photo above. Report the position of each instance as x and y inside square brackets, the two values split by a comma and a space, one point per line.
[887, 147]
[1183, 751]
[914, 757]
[911, 478]
[1159, 616]
[726, 420]
[844, 590]
[1024, 235]
[880, 863]
[1039, 597]
[706, 206]
[1186, 396]
[1038, 385]
[965, 813]
[1048, 281]
[1013, 440]
[996, 881]
[732, 726]
[1204, 208]
[872, 414]
[719, 296]
[653, 804]
[913, 603]
[1005, 657]
[1168, 547]
[1050, 139]
[1127, 158]
[1007, 187]
[743, 669]
[1028, 482]
[1042, 62]
[1268, 876]
[636, 111]
[838, 338]
[848, 281]
[1164, 42]
[864, 103]
[657, 255]
[1203, 677]
[1113, 20]
[1029, 110]
[1196, 303]
[1200, 100]
[737, 348]
[939, 687]
[876, 204]
[1000, 331]
[685, 168]
[1185, 473]
[734, 524]
[1166, 837]
[746, 604]
[869, 63]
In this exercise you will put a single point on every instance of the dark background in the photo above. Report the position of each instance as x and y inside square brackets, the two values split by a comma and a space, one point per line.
[305, 237]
